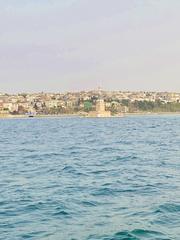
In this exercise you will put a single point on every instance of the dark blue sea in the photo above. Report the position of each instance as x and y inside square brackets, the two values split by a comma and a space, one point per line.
[90, 179]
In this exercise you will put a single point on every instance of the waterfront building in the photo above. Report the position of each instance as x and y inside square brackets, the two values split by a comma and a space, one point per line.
[100, 110]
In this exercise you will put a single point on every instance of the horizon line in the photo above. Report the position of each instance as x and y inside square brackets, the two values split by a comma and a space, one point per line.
[90, 90]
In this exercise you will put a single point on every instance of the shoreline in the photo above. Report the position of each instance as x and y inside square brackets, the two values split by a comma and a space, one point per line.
[152, 113]
[9, 116]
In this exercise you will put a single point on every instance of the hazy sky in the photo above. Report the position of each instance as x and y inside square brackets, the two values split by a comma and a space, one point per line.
[60, 45]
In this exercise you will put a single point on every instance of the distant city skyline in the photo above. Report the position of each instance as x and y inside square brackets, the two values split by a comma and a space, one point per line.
[73, 45]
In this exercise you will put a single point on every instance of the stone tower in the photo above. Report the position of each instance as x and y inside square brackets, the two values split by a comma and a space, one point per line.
[100, 106]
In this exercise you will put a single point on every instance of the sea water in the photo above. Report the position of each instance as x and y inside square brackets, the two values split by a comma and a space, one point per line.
[90, 179]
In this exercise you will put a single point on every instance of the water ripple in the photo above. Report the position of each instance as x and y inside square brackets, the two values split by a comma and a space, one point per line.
[90, 179]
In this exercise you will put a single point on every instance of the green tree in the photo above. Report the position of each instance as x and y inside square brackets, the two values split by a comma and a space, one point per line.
[87, 106]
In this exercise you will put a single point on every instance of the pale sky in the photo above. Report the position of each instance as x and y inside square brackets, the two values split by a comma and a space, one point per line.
[64, 45]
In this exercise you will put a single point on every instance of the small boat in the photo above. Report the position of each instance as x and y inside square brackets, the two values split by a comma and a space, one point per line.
[31, 114]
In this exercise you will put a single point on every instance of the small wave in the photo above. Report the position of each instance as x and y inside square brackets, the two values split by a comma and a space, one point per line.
[89, 203]
[100, 172]
[43, 156]
[124, 235]
[2, 203]
[105, 191]
[168, 207]
[149, 234]
[68, 169]
[32, 235]
[61, 213]
[34, 207]
[8, 213]
[125, 158]
[136, 234]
